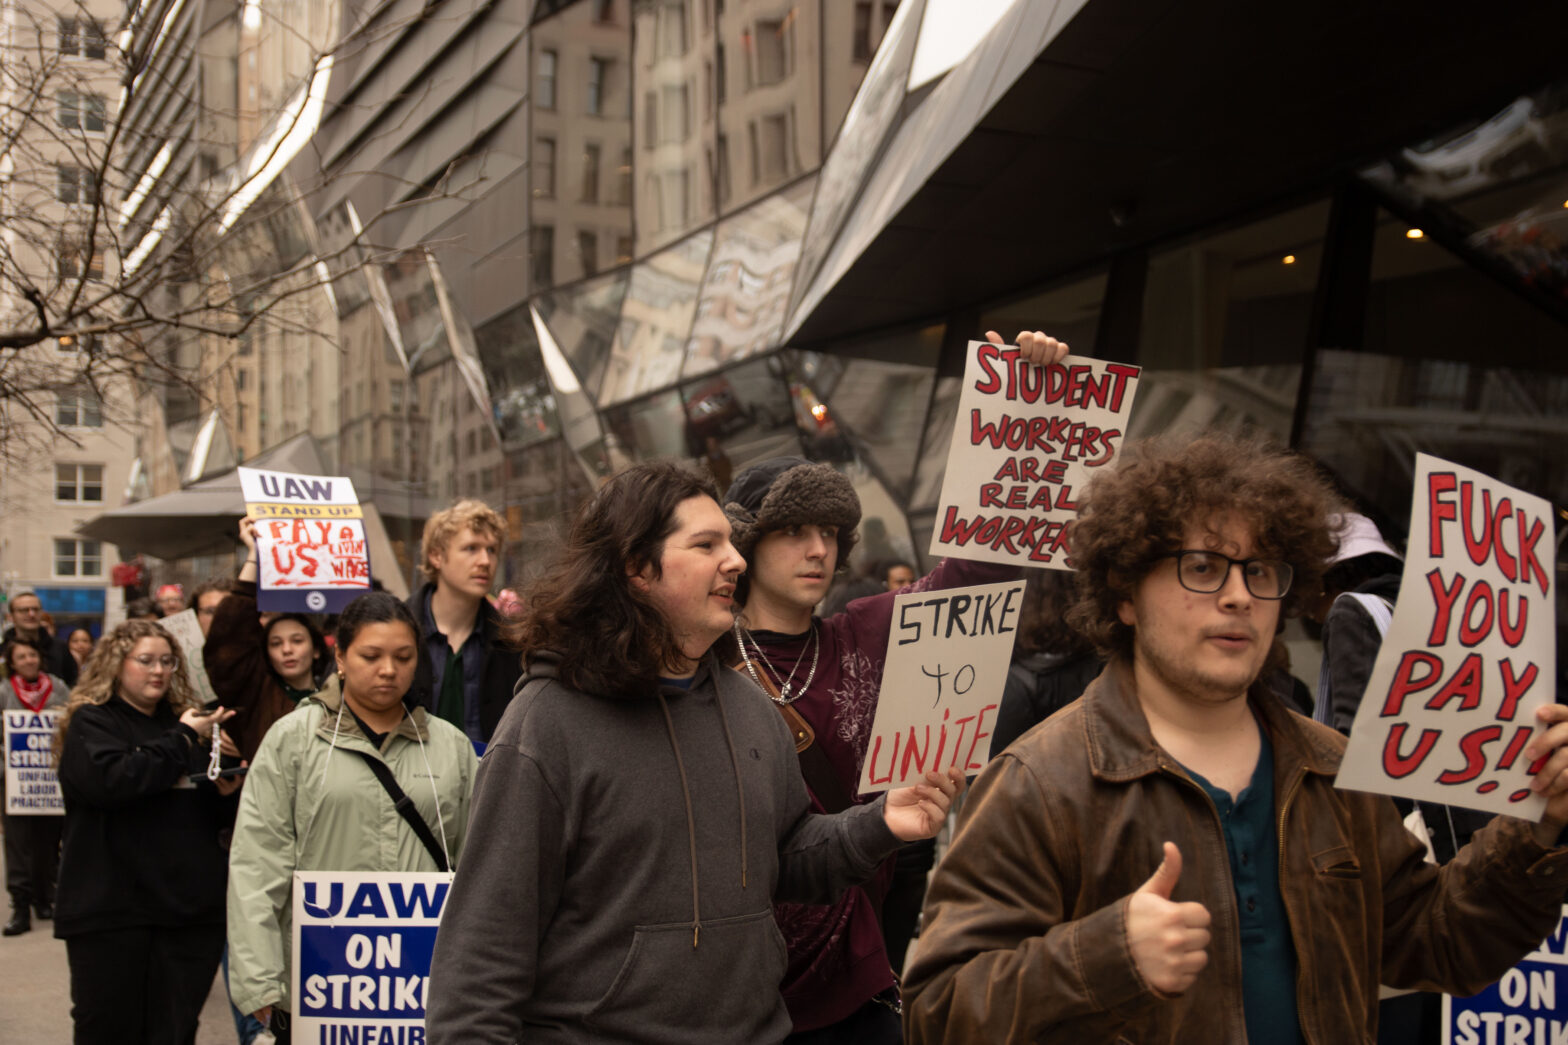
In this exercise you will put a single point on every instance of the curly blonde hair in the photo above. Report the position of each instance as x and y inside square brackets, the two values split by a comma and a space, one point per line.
[102, 671]
[446, 524]
[1140, 511]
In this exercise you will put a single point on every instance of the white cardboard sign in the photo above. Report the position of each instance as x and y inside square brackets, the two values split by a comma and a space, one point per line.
[310, 543]
[186, 630]
[31, 786]
[1471, 651]
[1026, 441]
[947, 658]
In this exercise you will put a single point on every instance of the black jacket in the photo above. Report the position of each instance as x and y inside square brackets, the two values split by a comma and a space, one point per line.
[57, 659]
[503, 666]
[139, 849]
[1038, 686]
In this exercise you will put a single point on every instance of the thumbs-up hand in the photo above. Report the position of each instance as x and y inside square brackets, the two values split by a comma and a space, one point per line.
[1169, 941]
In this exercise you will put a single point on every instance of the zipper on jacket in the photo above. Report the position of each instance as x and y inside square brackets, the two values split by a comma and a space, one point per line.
[1284, 897]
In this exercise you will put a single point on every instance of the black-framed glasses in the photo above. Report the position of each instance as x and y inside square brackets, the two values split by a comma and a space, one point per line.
[1206, 572]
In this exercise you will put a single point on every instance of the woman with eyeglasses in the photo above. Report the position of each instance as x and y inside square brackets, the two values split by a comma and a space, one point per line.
[143, 872]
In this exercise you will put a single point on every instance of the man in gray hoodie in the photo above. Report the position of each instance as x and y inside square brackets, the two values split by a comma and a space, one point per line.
[640, 806]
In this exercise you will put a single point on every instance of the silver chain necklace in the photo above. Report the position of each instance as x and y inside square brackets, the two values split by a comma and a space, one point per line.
[785, 686]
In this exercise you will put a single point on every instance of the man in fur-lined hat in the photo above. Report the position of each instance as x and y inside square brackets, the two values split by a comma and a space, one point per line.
[795, 522]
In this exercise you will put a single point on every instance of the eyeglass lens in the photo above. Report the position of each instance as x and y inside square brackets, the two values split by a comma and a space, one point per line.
[1206, 572]
[148, 661]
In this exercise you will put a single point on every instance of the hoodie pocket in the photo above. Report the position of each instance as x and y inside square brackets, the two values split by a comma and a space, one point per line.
[667, 989]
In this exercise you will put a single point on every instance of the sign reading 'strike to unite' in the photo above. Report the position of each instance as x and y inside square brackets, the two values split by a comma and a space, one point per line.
[1026, 441]
[1471, 652]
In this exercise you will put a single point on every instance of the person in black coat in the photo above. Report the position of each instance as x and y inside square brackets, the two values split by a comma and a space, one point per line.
[27, 622]
[143, 871]
[466, 674]
[1052, 663]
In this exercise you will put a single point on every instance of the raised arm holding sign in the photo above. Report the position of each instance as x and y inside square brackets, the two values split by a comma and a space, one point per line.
[310, 540]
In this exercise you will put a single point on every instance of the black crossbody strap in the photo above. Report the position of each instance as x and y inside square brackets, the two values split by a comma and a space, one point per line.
[405, 808]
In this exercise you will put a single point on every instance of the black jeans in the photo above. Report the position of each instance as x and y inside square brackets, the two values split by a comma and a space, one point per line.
[874, 1023]
[143, 985]
[32, 857]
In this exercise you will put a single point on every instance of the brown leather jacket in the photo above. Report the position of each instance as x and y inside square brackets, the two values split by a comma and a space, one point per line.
[1025, 917]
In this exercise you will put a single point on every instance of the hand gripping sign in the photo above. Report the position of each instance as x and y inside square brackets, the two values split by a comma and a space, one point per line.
[1026, 441]
[1470, 654]
[362, 946]
[947, 659]
[310, 541]
[31, 787]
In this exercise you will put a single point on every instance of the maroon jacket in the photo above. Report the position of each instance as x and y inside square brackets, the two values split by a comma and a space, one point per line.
[837, 960]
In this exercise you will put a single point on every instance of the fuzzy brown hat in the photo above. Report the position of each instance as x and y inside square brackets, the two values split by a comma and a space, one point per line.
[791, 491]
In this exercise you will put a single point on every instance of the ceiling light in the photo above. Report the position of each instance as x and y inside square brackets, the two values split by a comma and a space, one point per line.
[1289, 259]
[1414, 234]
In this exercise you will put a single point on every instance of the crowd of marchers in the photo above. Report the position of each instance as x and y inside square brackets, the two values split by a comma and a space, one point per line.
[663, 840]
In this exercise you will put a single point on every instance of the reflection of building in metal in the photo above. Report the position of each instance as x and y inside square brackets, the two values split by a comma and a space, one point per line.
[587, 233]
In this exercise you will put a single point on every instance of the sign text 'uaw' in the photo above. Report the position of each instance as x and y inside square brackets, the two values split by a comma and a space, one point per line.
[310, 540]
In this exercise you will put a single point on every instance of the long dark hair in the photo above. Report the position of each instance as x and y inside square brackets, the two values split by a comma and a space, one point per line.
[320, 656]
[609, 638]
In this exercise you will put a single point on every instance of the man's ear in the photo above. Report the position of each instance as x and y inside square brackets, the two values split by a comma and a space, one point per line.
[1126, 613]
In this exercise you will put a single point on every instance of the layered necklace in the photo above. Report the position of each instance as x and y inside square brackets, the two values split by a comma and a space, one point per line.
[788, 694]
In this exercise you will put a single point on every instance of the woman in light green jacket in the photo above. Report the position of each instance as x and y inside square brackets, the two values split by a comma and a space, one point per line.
[311, 801]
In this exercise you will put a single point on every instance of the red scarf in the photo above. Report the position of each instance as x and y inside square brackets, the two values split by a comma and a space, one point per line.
[35, 694]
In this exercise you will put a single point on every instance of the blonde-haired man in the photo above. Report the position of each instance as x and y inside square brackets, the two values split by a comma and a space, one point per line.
[465, 674]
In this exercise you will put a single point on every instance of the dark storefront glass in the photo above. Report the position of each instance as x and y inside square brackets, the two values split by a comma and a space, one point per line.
[1225, 327]
[650, 428]
[580, 213]
[1452, 364]
[738, 417]
[1069, 313]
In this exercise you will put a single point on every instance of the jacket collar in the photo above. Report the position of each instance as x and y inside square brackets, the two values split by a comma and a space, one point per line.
[1121, 747]
[413, 727]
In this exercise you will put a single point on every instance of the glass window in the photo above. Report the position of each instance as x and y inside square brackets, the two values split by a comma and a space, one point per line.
[773, 51]
[78, 408]
[674, 180]
[544, 168]
[67, 110]
[93, 42]
[591, 153]
[1070, 313]
[651, 428]
[93, 112]
[73, 558]
[739, 417]
[75, 184]
[544, 90]
[588, 251]
[78, 483]
[1224, 327]
[862, 40]
[541, 256]
[582, 319]
[598, 76]
[70, 40]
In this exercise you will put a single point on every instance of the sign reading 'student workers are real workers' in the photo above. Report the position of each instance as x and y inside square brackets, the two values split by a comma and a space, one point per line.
[1025, 443]
[310, 541]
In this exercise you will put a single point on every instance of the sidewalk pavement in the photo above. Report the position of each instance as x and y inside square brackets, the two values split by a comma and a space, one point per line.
[35, 991]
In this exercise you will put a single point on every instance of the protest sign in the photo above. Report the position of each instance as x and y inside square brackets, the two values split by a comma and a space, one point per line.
[1026, 441]
[310, 542]
[1524, 1006]
[31, 787]
[362, 946]
[1470, 654]
[947, 659]
[186, 630]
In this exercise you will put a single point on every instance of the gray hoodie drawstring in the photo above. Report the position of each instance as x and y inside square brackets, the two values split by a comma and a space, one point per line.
[691, 823]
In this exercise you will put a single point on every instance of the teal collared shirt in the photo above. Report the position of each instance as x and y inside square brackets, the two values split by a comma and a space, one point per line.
[1268, 957]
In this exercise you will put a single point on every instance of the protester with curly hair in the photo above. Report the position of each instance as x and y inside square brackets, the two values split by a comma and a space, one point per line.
[1061, 912]
[32, 843]
[142, 868]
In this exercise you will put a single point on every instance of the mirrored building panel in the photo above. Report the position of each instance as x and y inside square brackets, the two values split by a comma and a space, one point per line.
[745, 294]
[522, 399]
[674, 89]
[650, 428]
[580, 155]
[656, 318]
[738, 417]
[583, 319]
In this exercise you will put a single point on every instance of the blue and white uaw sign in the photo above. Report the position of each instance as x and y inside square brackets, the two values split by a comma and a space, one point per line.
[1528, 1006]
[310, 541]
[31, 787]
[362, 946]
